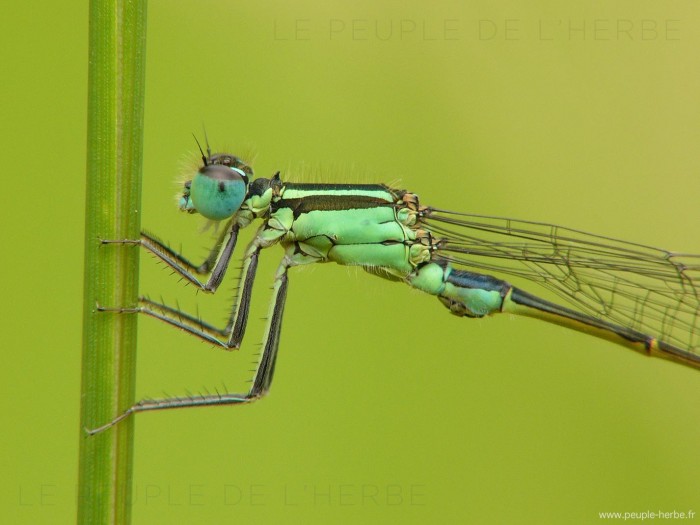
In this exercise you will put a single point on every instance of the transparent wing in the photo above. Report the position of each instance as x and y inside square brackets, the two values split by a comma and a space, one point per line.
[653, 291]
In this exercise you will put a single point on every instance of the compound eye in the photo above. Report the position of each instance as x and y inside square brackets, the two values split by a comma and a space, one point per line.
[217, 191]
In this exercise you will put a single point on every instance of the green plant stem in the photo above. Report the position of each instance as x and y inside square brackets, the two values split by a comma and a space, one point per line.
[114, 152]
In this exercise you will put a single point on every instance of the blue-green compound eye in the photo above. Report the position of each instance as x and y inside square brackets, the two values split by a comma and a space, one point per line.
[217, 191]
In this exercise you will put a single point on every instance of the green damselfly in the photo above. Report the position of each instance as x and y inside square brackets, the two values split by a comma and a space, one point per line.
[640, 297]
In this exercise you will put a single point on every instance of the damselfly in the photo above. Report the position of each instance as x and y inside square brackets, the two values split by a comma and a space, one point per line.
[640, 297]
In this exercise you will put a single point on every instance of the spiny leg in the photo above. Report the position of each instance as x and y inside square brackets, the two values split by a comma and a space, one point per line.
[264, 370]
[266, 366]
[229, 337]
[214, 265]
[238, 319]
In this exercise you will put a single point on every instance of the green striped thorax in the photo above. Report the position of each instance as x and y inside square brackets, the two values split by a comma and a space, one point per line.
[219, 187]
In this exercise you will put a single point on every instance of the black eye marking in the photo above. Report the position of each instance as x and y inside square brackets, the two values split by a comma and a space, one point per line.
[222, 186]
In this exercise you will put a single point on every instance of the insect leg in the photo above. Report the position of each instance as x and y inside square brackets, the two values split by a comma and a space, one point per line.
[264, 371]
[214, 265]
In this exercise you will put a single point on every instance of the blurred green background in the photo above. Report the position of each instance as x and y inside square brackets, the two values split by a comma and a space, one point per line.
[385, 409]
